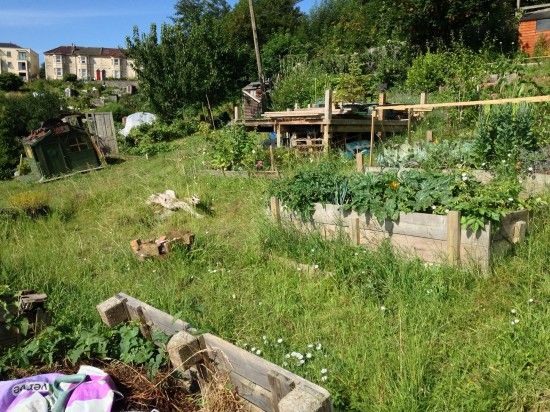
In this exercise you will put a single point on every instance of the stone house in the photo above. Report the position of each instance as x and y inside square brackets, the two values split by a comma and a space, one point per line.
[88, 63]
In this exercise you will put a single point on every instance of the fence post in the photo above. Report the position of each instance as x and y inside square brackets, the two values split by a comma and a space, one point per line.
[359, 162]
[355, 232]
[453, 237]
[275, 209]
[372, 129]
[327, 120]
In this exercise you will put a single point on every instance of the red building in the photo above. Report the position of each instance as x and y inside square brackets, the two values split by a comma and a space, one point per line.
[533, 26]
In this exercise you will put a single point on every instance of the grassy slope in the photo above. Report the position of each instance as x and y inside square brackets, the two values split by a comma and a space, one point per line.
[445, 341]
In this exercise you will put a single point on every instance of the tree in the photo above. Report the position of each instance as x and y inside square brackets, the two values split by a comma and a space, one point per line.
[10, 82]
[18, 116]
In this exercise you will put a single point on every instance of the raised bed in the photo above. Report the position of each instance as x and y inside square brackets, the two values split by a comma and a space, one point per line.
[262, 384]
[432, 238]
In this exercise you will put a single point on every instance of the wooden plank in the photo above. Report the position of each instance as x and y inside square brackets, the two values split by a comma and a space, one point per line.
[255, 394]
[359, 162]
[532, 99]
[159, 320]
[513, 226]
[275, 209]
[453, 237]
[429, 250]
[327, 214]
[250, 366]
[280, 387]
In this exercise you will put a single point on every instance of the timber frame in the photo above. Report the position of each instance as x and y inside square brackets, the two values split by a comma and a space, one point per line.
[263, 385]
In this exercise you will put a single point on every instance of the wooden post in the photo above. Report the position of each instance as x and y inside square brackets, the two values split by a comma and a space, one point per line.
[236, 109]
[429, 136]
[183, 350]
[453, 237]
[278, 134]
[296, 107]
[271, 158]
[423, 98]
[275, 209]
[381, 102]
[409, 119]
[256, 45]
[355, 232]
[372, 128]
[327, 120]
[280, 386]
[113, 311]
[359, 162]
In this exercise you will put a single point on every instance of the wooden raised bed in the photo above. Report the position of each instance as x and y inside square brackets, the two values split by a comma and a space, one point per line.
[432, 238]
[262, 384]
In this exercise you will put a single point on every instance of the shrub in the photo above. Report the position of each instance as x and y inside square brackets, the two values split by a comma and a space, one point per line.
[70, 77]
[150, 139]
[32, 203]
[503, 133]
[233, 148]
[10, 82]
[542, 47]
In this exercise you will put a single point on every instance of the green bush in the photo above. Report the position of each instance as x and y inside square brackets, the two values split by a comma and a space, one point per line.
[151, 139]
[19, 114]
[70, 77]
[10, 82]
[503, 133]
[234, 149]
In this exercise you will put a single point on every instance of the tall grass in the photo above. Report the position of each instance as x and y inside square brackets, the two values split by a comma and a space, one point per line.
[394, 334]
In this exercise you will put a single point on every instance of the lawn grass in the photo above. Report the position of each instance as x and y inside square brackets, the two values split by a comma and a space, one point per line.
[394, 334]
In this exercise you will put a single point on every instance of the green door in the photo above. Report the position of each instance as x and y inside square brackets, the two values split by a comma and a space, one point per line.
[54, 159]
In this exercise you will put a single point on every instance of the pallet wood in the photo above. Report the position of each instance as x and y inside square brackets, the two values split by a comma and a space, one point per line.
[265, 386]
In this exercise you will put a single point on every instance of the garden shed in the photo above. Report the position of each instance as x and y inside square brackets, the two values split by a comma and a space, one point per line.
[534, 26]
[59, 148]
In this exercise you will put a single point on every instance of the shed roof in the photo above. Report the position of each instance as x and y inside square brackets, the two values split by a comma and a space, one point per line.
[10, 46]
[536, 15]
[87, 51]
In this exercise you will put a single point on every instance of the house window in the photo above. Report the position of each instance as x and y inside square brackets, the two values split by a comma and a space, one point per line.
[116, 74]
[58, 59]
[83, 73]
[116, 62]
[82, 59]
[58, 72]
[77, 144]
[22, 56]
[8, 53]
[543, 25]
[22, 66]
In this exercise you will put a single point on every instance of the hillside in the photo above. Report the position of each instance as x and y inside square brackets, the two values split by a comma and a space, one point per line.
[395, 334]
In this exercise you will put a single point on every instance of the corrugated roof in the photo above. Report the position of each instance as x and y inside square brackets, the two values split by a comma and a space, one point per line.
[536, 15]
[10, 45]
[87, 51]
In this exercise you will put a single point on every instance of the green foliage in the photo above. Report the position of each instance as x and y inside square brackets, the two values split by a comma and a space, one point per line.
[386, 194]
[10, 82]
[233, 148]
[354, 86]
[19, 114]
[436, 156]
[503, 133]
[192, 59]
[151, 139]
[303, 84]
[70, 77]
[542, 46]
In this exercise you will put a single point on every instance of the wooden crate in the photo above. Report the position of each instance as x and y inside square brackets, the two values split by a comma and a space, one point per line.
[262, 384]
[432, 238]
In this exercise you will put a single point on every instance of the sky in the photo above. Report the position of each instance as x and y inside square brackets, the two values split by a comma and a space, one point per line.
[45, 24]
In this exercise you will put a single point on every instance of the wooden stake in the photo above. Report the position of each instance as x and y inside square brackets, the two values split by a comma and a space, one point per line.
[271, 158]
[359, 162]
[429, 136]
[256, 45]
[453, 237]
[278, 134]
[275, 209]
[236, 109]
[327, 120]
[409, 125]
[355, 232]
[372, 128]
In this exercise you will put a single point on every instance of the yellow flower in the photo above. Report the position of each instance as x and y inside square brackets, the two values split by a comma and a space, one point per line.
[394, 185]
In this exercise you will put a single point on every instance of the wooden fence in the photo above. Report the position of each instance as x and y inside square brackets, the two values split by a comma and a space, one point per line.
[263, 385]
